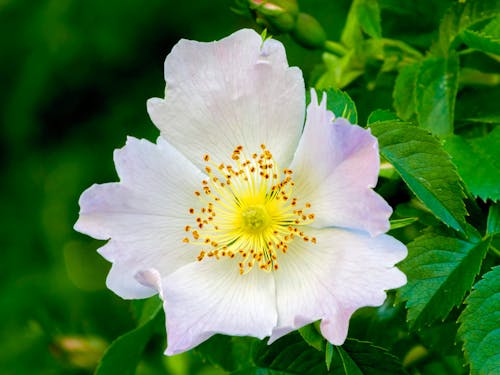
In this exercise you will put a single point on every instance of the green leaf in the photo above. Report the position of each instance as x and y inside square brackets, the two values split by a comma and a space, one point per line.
[311, 335]
[479, 105]
[341, 104]
[368, 12]
[404, 91]
[493, 223]
[361, 357]
[460, 17]
[482, 42]
[478, 163]
[125, 352]
[427, 170]
[288, 355]
[480, 328]
[380, 115]
[435, 93]
[401, 223]
[339, 71]
[440, 270]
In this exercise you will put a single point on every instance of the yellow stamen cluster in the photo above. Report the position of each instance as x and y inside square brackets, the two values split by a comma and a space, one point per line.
[248, 211]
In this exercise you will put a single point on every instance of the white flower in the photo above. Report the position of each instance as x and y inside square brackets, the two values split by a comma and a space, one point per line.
[242, 218]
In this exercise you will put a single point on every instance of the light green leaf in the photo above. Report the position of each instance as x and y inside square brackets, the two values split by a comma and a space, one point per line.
[478, 163]
[427, 170]
[480, 329]
[440, 270]
[125, 352]
[435, 93]
[311, 335]
[480, 41]
[404, 91]
[369, 17]
[364, 15]
[339, 71]
[401, 223]
[341, 104]
[493, 223]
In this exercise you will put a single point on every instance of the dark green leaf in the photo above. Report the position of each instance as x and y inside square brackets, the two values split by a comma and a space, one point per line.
[231, 353]
[125, 352]
[478, 163]
[480, 328]
[493, 224]
[404, 91]
[341, 104]
[479, 105]
[435, 93]
[288, 355]
[422, 163]
[360, 357]
[440, 270]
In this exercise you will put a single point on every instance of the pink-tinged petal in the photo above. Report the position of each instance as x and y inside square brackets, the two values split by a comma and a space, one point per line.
[344, 271]
[335, 167]
[144, 215]
[209, 297]
[236, 91]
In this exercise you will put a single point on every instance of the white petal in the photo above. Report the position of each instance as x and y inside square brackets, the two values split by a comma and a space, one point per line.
[335, 166]
[209, 297]
[144, 214]
[237, 91]
[344, 271]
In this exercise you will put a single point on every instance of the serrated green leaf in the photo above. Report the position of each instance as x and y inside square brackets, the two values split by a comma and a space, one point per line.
[480, 329]
[440, 270]
[341, 104]
[427, 170]
[359, 357]
[404, 91]
[462, 16]
[123, 355]
[493, 223]
[478, 163]
[435, 93]
[480, 41]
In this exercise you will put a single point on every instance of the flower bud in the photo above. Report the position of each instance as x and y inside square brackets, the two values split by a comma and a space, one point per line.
[278, 15]
[308, 32]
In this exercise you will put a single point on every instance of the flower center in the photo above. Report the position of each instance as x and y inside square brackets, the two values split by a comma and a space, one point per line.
[248, 211]
[254, 219]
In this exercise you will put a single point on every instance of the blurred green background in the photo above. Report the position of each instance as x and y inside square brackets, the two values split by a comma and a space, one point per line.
[75, 77]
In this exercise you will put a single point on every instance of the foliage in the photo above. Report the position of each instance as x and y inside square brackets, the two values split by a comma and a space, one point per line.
[422, 75]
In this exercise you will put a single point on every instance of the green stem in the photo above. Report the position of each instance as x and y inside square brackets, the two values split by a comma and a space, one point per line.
[403, 47]
[495, 250]
[335, 48]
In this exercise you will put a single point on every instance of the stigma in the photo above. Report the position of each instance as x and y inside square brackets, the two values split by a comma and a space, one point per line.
[248, 211]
